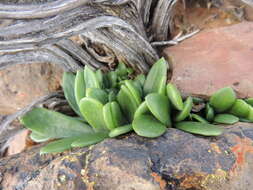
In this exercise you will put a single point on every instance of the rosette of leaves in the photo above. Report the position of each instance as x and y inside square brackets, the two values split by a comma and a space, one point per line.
[112, 104]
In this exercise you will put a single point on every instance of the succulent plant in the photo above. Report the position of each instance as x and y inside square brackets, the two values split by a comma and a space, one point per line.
[112, 104]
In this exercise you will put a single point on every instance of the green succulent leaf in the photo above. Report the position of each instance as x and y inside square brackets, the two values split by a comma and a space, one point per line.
[250, 115]
[245, 120]
[156, 78]
[159, 106]
[86, 140]
[117, 114]
[138, 87]
[112, 78]
[148, 126]
[120, 130]
[68, 85]
[209, 113]
[108, 117]
[240, 108]
[79, 86]
[175, 97]
[199, 128]
[58, 145]
[52, 124]
[127, 102]
[92, 111]
[134, 91]
[121, 69]
[112, 96]
[223, 99]
[186, 110]
[226, 119]
[197, 100]
[90, 78]
[141, 79]
[37, 137]
[100, 78]
[141, 110]
[198, 118]
[98, 94]
[112, 115]
[249, 101]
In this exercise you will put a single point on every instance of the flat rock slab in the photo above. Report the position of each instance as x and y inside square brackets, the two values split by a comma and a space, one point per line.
[22, 84]
[214, 59]
[174, 161]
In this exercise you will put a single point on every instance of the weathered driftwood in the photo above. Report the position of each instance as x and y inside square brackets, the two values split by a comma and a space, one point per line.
[74, 33]
[38, 33]
[175, 161]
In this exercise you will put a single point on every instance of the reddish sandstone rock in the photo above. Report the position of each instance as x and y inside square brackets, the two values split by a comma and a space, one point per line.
[174, 161]
[22, 84]
[17, 143]
[214, 59]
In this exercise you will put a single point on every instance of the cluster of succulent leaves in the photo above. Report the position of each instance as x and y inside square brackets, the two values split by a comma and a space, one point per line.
[112, 104]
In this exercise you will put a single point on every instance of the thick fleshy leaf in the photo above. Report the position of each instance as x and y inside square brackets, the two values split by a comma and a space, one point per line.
[156, 78]
[121, 69]
[120, 130]
[68, 85]
[117, 114]
[148, 126]
[209, 113]
[112, 78]
[108, 117]
[127, 102]
[90, 78]
[186, 110]
[79, 86]
[249, 101]
[138, 86]
[240, 108]
[175, 96]
[98, 94]
[159, 106]
[141, 79]
[198, 118]
[92, 111]
[112, 96]
[134, 91]
[53, 124]
[58, 145]
[197, 100]
[199, 128]
[226, 119]
[37, 137]
[223, 99]
[100, 78]
[250, 115]
[141, 110]
[86, 140]
[245, 120]
[112, 115]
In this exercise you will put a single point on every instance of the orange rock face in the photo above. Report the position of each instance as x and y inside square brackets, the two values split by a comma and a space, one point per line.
[214, 59]
[22, 84]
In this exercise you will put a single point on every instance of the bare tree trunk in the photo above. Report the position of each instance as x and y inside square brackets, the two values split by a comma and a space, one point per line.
[107, 31]
[74, 33]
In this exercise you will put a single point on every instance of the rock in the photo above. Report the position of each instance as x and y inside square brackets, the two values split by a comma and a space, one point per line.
[214, 59]
[246, 5]
[18, 143]
[175, 161]
[22, 84]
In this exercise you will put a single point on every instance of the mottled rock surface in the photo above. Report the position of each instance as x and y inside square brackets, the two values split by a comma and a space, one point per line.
[22, 84]
[213, 59]
[175, 161]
